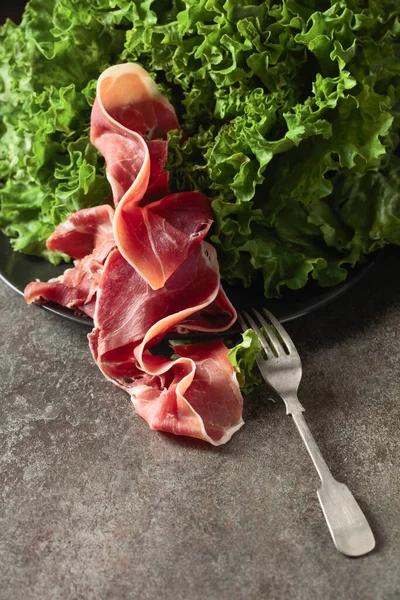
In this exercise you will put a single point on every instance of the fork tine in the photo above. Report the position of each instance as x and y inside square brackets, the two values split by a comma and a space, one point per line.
[282, 332]
[258, 331]
[242, 323]
[277, 346]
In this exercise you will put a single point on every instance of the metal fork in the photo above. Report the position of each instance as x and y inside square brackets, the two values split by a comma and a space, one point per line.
[282, 371]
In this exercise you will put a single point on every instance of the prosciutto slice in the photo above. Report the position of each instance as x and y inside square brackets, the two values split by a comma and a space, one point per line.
[86, 235]
[144, 269]
[128, 112]
[171, 395]
[83, 232]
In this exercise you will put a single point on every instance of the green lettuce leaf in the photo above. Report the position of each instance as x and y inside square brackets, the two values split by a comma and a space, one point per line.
[243, 358]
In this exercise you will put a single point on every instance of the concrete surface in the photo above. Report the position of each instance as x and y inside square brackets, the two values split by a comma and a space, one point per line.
[96, 506]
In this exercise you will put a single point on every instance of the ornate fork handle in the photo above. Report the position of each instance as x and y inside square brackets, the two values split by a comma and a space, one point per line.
[347, 524]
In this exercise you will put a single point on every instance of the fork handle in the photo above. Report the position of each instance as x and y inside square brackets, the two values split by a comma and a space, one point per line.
[312, 447]
[347, 524]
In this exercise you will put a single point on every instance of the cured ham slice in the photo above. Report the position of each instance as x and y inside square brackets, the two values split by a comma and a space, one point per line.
[75, 289]
[196, 395]
[128, 112]
[85, 235]
[84, 231]
[202, 400]
[144, 270]
[141, 313]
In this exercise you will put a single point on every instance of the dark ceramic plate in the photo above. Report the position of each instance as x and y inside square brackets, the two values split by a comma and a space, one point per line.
[17, 270]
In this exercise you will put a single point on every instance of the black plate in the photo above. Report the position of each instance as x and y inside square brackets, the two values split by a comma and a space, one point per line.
[17, 270]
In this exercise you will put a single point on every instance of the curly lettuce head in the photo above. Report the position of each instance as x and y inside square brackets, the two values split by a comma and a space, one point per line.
[290, 111]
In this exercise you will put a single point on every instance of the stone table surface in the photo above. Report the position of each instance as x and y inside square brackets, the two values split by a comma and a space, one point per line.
[95, 505]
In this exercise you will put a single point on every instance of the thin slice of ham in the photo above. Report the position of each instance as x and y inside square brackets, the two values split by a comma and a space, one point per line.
[202, 399]
[86, 235]
[83, 232]
[145, 270]
[141, 313]
[196, 395]
[155, 240]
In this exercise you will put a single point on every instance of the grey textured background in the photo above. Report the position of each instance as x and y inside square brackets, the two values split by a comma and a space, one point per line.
[95, 505]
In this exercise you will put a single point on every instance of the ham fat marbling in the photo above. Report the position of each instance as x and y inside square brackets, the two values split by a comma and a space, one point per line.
[143, 269]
